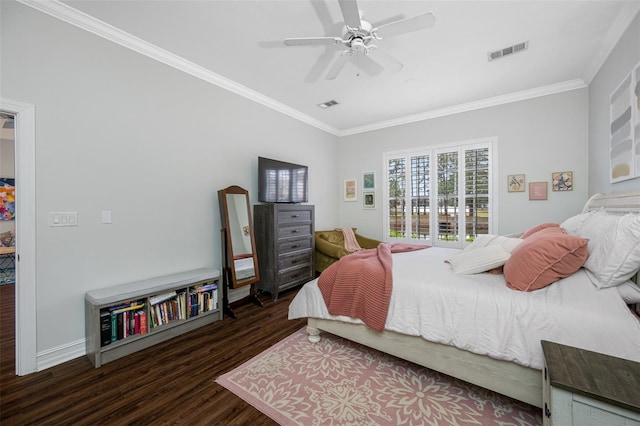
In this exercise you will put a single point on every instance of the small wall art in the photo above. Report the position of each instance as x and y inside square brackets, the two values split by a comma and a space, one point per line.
[368, 200]
[516, 183]
[537, 190]
[562, 181]
[369, 180]
[351, 190]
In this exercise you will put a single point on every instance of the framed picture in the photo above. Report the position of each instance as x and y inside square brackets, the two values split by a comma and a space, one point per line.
[515, 183]
[537, 190]
[368, 200]
[351, 190]
[562, 181]
[369, 180]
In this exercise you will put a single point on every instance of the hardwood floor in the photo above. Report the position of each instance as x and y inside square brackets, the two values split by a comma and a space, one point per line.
[170, 383]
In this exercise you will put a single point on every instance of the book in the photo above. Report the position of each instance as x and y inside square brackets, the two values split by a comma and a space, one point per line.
[114, 328]
[161, 297]
[143, 322]
[105, 328]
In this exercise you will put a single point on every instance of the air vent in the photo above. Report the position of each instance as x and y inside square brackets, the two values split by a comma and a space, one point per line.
[509, 50]
[328, 104]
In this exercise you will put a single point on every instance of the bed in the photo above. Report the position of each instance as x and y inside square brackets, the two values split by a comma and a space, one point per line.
[469, 342]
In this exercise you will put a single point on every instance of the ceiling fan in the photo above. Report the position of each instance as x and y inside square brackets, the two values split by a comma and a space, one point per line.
[358, 37]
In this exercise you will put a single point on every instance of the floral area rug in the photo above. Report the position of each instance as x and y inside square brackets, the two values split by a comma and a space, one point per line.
[338, 382]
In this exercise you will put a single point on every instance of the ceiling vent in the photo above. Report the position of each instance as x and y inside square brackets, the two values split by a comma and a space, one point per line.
[509, 50]
[328, 104]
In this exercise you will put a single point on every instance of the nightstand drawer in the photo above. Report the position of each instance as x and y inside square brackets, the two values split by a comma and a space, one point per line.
[295, 276]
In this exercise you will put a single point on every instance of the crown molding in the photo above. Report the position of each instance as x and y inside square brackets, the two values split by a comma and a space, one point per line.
[90, 24]
[470, 106]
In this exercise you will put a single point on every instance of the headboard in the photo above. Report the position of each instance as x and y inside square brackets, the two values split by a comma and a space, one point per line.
[624, 202]
[621, 203]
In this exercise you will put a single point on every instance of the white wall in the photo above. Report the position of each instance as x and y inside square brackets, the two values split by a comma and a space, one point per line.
[624, 57]
[535, 137]
[118, 131]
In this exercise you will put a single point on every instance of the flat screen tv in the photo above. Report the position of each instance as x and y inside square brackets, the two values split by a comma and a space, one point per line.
[282, 182]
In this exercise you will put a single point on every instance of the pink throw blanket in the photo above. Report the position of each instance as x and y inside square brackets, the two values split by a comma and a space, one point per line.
[359, 285]
[350, 242]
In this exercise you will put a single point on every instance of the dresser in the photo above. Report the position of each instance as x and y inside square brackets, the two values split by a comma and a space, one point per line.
[585, 388]
[285, 242]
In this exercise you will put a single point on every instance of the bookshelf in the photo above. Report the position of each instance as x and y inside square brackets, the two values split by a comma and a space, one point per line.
[126, 318]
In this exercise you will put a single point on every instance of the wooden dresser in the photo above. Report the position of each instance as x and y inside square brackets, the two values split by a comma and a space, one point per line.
[285, 242]
[587, 388]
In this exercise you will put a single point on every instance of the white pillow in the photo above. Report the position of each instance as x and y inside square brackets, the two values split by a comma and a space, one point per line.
[614, 247]
[574, 224]
[479, 259]
[630, 292]
[486, 240]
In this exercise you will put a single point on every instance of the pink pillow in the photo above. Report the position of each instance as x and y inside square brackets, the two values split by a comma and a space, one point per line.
[529, 232]
[544, 258]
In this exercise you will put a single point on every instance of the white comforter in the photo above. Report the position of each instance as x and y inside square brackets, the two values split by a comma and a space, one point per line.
[479, 313]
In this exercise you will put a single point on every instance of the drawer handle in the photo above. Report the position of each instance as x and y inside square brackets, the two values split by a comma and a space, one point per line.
[295, 231]
[295, 276]
[294, 261]
[295, 215]
[295, 246]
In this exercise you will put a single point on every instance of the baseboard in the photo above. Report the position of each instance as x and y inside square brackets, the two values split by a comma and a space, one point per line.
[52, 357]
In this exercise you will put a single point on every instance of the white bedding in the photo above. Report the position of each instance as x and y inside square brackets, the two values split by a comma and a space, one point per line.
[480, 314]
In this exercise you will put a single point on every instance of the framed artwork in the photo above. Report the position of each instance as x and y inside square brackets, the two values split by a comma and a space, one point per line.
[515, 183]
[351, 190]
[368, 200]
[562, 181]
[537, 190]
[369, 180]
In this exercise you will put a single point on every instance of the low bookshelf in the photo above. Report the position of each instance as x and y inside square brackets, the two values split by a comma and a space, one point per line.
[126, 318]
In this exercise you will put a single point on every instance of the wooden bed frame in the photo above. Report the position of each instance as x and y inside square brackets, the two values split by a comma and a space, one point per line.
[507, 378]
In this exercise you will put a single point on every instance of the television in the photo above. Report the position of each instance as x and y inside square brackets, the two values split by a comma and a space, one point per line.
[282, 182]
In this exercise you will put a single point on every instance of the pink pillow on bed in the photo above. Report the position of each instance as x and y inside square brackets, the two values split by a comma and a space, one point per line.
[544, 258]
[529, 232]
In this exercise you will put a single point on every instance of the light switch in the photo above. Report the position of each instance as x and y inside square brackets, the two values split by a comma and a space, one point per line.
[63, 218]
[106, 216]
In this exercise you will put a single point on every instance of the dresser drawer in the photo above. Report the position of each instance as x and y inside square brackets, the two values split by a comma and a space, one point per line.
[294, 230]
[294, 276]
[287, 246]
[289, 216]
[295, 259]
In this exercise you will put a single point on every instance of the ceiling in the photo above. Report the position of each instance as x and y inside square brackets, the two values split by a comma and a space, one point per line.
[238, 45]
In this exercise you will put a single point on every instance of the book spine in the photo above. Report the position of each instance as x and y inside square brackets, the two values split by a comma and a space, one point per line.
[143, 322]
[114, 328]
[105, 328]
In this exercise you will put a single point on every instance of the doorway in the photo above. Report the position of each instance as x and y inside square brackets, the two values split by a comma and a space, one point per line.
[25, 234]
[7, 199]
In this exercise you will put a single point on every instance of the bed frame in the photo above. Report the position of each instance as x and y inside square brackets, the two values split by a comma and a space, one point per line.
[507, 378]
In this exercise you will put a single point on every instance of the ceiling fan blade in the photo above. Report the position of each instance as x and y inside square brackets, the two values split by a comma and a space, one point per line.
[389, 62]
[312, 41]
[350, 13]
[368, 65]
[320, 66]
[338, 65]
[415, 23]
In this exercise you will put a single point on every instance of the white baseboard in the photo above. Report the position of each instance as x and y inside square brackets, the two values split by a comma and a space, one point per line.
[51, 357]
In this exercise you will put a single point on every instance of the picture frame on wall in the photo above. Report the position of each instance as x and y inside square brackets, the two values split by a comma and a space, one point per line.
[368, 180]
[368, 200]
[537, 190]
[515, 183]
[350, 190]
[562, 181]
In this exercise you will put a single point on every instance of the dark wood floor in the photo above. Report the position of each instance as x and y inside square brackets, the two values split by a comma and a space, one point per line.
[170, 383]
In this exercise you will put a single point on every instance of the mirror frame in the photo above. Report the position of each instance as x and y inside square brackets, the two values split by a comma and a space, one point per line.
[227, 249]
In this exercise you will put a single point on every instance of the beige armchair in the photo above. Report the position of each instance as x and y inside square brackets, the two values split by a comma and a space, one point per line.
[330, 247]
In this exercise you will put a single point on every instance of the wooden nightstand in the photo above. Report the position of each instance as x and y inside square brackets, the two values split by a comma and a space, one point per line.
[587, 388]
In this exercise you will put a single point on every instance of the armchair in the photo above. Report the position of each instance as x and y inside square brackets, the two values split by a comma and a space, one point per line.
[330, 247]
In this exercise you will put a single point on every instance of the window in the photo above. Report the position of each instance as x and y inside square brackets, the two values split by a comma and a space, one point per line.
[455, 182]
